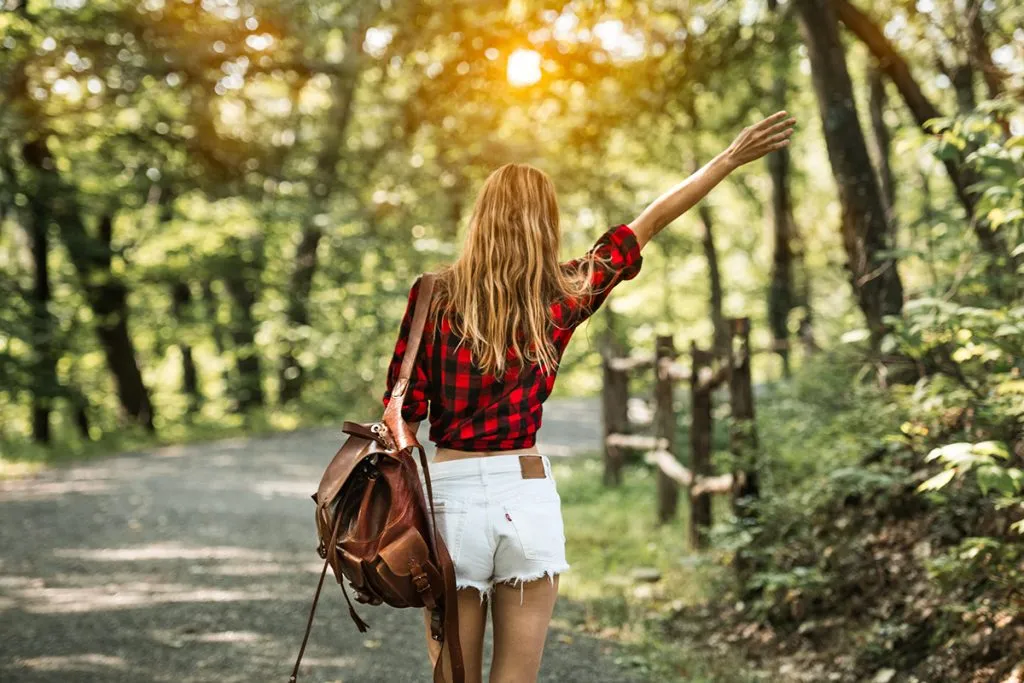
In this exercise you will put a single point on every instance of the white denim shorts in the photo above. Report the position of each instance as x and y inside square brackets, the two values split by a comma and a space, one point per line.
[501, 519]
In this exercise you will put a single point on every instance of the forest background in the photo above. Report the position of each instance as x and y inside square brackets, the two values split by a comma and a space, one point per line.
[211, 212]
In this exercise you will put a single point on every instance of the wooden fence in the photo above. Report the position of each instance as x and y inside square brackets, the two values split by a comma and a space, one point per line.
[706, 371]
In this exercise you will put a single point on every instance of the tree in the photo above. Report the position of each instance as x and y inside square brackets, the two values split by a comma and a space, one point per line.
[874, 276]
[897, 69]
[781, 296]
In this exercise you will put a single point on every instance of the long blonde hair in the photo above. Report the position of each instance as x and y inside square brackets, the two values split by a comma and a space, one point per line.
[498, 293]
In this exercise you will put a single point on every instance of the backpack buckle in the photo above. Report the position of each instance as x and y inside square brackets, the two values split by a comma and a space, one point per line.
[382, 433]
[421, 582]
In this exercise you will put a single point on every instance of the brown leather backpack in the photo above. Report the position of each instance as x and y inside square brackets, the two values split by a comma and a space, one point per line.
[371, 517]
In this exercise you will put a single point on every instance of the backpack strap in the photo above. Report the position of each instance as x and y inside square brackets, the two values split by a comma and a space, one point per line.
[404, 438]
[400, 432]
[316, 598]
[448, 634]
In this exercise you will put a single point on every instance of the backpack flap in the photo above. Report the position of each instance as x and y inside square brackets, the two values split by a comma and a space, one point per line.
[364, 429]
[352, 452]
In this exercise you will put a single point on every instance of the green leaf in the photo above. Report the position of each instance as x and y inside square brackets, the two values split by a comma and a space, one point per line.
[995, 478]
[938, 124]
[951, 451]
[1007, 330]
[938, 481]
[854, 336]
[996, 448]
[1014, 386]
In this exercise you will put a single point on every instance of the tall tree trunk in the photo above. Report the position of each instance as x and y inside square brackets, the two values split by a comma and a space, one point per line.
[40, 215]
[181, 302]
[980, 55]
[805, 299]
[79, 404]
[291, 375]
[707, 220]
[343, 90]
[893, 64]
[875, 279]
[781, 298]
[110, 304]
[219, 333]
[926, 222]
[721, 333]
[242, 282]
[44, 371]
[882, 140]
[962, 77]
[181, 307]
[106, 293]
[81, 408]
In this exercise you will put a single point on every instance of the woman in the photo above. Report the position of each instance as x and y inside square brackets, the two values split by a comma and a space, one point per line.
[503, 314]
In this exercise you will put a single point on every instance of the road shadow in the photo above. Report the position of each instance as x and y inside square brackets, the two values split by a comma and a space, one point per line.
[197, 563]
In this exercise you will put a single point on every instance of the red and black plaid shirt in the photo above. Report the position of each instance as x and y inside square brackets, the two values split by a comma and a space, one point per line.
[471, 411]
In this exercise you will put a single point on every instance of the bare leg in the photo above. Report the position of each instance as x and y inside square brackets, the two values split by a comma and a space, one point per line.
[520, 630]
[472, 622]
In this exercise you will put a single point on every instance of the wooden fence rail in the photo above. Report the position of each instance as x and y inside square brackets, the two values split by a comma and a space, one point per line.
[705, 372]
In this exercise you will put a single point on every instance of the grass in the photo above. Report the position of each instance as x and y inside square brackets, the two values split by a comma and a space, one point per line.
[610, 532]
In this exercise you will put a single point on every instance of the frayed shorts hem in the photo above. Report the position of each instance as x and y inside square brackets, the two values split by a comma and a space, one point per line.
[486, 588]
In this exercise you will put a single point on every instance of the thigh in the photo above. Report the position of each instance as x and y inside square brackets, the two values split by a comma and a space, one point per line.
[521, 615]
[472, 623]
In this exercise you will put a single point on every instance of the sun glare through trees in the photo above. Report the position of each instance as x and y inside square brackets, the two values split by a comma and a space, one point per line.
[211, 213]
[523, 67]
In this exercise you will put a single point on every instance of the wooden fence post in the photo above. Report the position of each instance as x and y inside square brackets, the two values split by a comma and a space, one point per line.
[700, 443]
[665, 423]
[614, 410]
[743, 434]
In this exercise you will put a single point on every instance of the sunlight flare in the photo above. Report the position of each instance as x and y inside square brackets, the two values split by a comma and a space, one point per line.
[523, 67]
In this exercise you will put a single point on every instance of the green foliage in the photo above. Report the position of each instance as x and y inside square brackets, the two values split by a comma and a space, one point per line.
[824, 419]
[979, 139]
[610, 533]
[961, 458]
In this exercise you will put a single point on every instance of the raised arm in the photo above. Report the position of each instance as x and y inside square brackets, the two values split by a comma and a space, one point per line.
[752, 143]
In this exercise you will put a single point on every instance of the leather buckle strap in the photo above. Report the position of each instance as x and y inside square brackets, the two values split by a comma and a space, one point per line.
[437, 624]
[422, 583]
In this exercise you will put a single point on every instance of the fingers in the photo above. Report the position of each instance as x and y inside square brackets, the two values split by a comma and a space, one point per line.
[775, 142]
[780, 127]
[766, 136]
[779, 137]
[771, 120]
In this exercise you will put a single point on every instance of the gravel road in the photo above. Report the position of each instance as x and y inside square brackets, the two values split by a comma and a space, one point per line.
[197, 563]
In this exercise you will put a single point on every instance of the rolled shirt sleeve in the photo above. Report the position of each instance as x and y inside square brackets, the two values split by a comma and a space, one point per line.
[618, 258]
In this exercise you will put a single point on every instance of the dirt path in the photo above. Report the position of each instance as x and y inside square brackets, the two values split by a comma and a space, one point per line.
[197, 563]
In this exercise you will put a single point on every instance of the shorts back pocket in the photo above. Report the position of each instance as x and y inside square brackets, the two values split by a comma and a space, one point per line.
[451, 523]
[538, 526]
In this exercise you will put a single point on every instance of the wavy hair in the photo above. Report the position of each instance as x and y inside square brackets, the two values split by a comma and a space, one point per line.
[497, 294]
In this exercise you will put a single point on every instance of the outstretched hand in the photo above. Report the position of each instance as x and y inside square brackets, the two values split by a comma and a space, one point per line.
[753, 143]
[763, 137]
